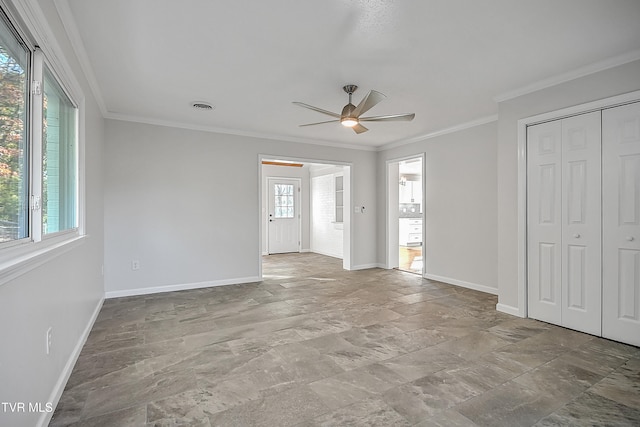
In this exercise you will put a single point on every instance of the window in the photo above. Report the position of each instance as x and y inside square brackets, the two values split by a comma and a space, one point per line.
[38, 148]
[58, 158]
[284, 201]
[14, 181]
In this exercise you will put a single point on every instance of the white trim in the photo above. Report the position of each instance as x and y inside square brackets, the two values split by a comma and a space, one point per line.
[521, 188]
[68, 21]
[69, 24]
[365, 266]
[600, 104]
[456, 128]
[16, 260]
[388, 205]
[180, 287]
[302, 251]
[293, 159]
[514, 311]
[332, 255]
[348, 235]
[36, 23]
[236, 132]
[20, 259]
[462, 283]
[56, 393]
[571, 75]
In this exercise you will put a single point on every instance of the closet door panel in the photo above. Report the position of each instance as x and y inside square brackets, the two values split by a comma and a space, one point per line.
[621, 223]
[544, 218]
[581, 223]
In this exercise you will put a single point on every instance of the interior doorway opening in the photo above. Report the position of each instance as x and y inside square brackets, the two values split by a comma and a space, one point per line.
[305, 207]
[406, 215]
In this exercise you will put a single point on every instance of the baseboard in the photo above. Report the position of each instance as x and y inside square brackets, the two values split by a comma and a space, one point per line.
[508, 309]
[56, 393]
[302, 251]
[332, 255]
[181, 287]
[462, 283]
[365, 266]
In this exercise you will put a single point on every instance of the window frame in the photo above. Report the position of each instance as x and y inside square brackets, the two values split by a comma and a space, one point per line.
[22, 255]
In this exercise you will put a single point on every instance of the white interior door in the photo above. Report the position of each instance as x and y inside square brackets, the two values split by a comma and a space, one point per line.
[621, 223]
[283, 215]
[544, 221]
[581, 223]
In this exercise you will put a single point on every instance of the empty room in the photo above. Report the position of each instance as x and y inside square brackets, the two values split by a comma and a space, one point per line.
[330, 213]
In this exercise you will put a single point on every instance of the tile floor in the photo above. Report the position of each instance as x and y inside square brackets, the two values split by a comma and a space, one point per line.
[313, 345]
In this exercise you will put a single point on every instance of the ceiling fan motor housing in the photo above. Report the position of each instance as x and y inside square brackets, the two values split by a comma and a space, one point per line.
[349, 88]
[347, 110]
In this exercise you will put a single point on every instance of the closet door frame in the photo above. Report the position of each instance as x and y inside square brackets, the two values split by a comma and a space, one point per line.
[521, 309]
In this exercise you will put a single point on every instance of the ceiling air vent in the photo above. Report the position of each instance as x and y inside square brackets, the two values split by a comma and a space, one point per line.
[199, 105]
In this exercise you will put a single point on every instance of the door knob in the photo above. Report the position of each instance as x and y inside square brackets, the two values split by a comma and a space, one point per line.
[577, 236]
[630, 238]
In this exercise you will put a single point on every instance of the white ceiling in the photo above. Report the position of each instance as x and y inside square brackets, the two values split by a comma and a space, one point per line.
[444, 60]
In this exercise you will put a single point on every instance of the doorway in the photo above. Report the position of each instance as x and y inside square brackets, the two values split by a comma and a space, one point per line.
[284, 213]
[406, 215]
[320, 206]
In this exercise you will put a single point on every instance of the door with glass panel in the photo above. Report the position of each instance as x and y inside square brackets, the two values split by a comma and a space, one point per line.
[283, 216]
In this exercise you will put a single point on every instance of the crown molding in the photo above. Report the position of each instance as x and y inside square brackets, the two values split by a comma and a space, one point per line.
[452, 129]
[235, 132]
[69, 24]
[571, 75]
[43, 37]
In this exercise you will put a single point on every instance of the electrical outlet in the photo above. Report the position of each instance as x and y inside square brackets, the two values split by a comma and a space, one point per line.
[49, 339]
[135, 264]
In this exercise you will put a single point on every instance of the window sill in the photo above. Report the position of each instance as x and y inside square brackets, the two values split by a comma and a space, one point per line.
[18, 260]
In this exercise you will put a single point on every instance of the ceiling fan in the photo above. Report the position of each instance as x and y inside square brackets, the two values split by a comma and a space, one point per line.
[350, 116]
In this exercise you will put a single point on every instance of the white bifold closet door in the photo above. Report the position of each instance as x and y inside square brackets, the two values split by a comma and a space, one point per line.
[621, 223]
[564, 222]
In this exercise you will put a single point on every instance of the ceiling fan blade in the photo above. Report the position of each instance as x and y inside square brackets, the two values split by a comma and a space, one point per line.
[368, 102]
[319, 123]
[389, 118]
[359, 128]
[319, 110]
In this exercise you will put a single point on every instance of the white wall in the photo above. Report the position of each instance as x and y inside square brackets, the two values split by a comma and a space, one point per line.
[604, 84]
[460, 206]
[288, 172]
[63, 293]
[168, 197]
[326, 234]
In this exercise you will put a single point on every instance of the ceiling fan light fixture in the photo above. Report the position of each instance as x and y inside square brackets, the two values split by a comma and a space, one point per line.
[351, 114]
[349, 122]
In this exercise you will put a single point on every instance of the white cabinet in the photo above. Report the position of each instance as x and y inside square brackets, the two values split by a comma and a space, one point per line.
[410, 231]
[411, 191]
[583, 222]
